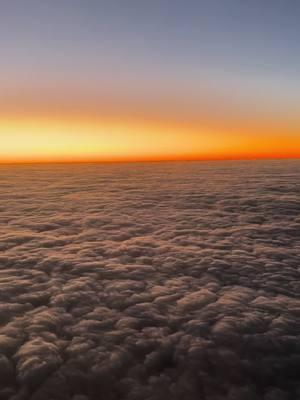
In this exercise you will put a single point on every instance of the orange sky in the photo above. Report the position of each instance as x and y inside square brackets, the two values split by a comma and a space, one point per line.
[105, 81]
[79, 127]
[44, 136]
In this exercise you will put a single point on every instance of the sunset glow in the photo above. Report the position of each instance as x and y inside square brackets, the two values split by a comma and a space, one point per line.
[50, 140]
[106, 83]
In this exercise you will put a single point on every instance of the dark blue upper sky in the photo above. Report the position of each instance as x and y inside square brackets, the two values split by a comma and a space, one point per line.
[250, 48]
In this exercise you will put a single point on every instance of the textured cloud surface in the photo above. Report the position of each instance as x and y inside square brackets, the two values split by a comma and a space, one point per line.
[150, 281]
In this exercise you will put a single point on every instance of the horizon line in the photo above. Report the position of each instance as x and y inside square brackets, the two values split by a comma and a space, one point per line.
[145, 160]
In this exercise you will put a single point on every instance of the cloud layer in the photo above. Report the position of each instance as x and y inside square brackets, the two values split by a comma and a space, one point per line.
[150, 281]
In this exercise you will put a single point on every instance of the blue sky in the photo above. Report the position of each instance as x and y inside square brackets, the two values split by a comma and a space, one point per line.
[249, 48]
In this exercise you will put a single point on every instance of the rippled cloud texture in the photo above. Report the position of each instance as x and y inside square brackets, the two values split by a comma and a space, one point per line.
[150, 281]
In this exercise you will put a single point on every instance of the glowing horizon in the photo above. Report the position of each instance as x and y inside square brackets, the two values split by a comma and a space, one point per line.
[79, 140]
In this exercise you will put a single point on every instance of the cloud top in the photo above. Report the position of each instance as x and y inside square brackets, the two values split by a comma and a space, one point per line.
[150, 281]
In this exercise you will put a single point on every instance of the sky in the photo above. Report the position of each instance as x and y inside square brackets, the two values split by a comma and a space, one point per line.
[88, 80]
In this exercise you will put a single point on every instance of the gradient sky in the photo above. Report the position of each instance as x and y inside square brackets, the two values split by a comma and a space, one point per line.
[118, 80]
